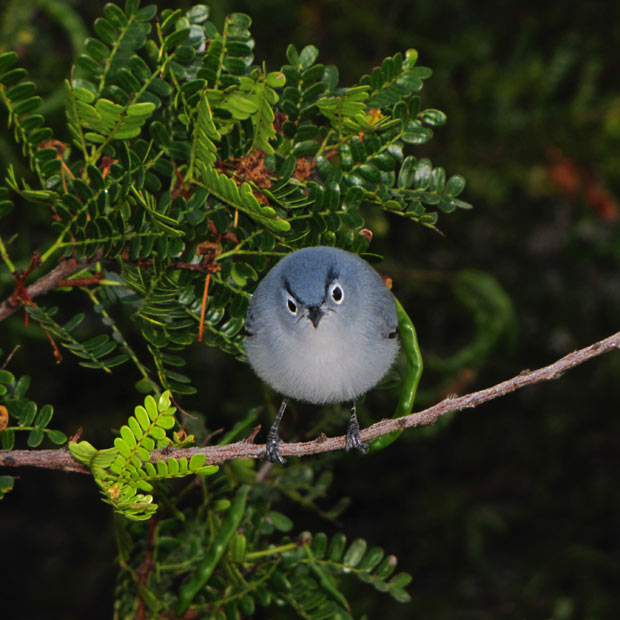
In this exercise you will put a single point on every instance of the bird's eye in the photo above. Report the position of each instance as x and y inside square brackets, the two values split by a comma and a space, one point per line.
[291, 305]
[335, 290]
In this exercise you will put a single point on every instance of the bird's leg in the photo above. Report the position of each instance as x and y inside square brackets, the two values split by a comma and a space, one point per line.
[272, 451]
[354, 439]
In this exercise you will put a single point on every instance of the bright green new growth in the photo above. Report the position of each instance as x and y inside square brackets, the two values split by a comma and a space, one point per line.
[124, 472]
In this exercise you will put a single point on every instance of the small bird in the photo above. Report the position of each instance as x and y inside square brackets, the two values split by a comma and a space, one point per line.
[321, 328]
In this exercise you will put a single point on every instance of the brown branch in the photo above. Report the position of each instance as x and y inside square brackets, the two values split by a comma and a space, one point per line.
[59, 459]
[56, 277]
[62, 460]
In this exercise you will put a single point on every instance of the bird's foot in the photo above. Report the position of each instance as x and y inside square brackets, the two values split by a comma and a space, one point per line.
[354, 439]
[272, 448]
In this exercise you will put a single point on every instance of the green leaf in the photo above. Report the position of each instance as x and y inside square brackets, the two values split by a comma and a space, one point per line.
[35, 438]
[355, 553]
[422, 177]
[146, 13]
[106, 30]
[97, 50]
[128, 436]
[197, 461]
[141, 109]
[6, 377]
[173, 466]
[166, 421]
[7, 59]
[21, 91]
[308, 56]
[115, 15]
[387, 567]
[6, 482]
[122, 447]
[407, 172]
[402, 596]
[291, 54]
[239, 21]
[151, 408]
[198, 14]
[336, 547]
[306, 148]
[276, 79]
[434, 118]
[57, 437]
[417, 135]
[44, 416]
[455, 185]
[82, 451]
[176, 38]
[279, 521]
[28, 413]
[371, 559]
[170, 20]
[12, 77]
[402, 580]
[142, 417]
[461, 204]
[7, 438]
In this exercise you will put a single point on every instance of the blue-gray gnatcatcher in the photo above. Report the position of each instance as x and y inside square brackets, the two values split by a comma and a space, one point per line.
[321, 328]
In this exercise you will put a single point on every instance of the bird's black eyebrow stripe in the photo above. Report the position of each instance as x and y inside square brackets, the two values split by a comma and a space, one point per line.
[332, 275]
[287, 286]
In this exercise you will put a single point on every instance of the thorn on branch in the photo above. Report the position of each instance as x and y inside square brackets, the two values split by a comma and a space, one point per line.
[76, 436]
[252, 436]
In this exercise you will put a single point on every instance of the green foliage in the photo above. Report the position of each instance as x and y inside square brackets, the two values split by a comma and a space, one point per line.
[185, 171]
[124, 472]
[19, 414]
[186, 158]
[304, 573]
[95, 351]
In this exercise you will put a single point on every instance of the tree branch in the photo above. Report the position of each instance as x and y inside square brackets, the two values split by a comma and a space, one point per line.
[46, 283]
[61, 459]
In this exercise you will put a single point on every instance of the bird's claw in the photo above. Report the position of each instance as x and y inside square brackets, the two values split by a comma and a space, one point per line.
[272, 449]
[354, 438]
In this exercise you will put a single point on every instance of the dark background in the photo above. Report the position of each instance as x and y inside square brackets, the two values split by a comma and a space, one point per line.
[506, 511]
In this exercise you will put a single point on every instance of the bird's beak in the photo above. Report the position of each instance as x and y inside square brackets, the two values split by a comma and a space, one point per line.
[315, 314]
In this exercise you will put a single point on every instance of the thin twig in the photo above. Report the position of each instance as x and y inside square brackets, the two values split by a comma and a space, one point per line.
[61, 459]
[48, 282]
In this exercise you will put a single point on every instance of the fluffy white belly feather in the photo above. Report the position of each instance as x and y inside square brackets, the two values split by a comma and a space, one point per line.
[311, 366]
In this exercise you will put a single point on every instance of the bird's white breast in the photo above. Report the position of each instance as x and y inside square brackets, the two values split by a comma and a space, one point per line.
[334, 362]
